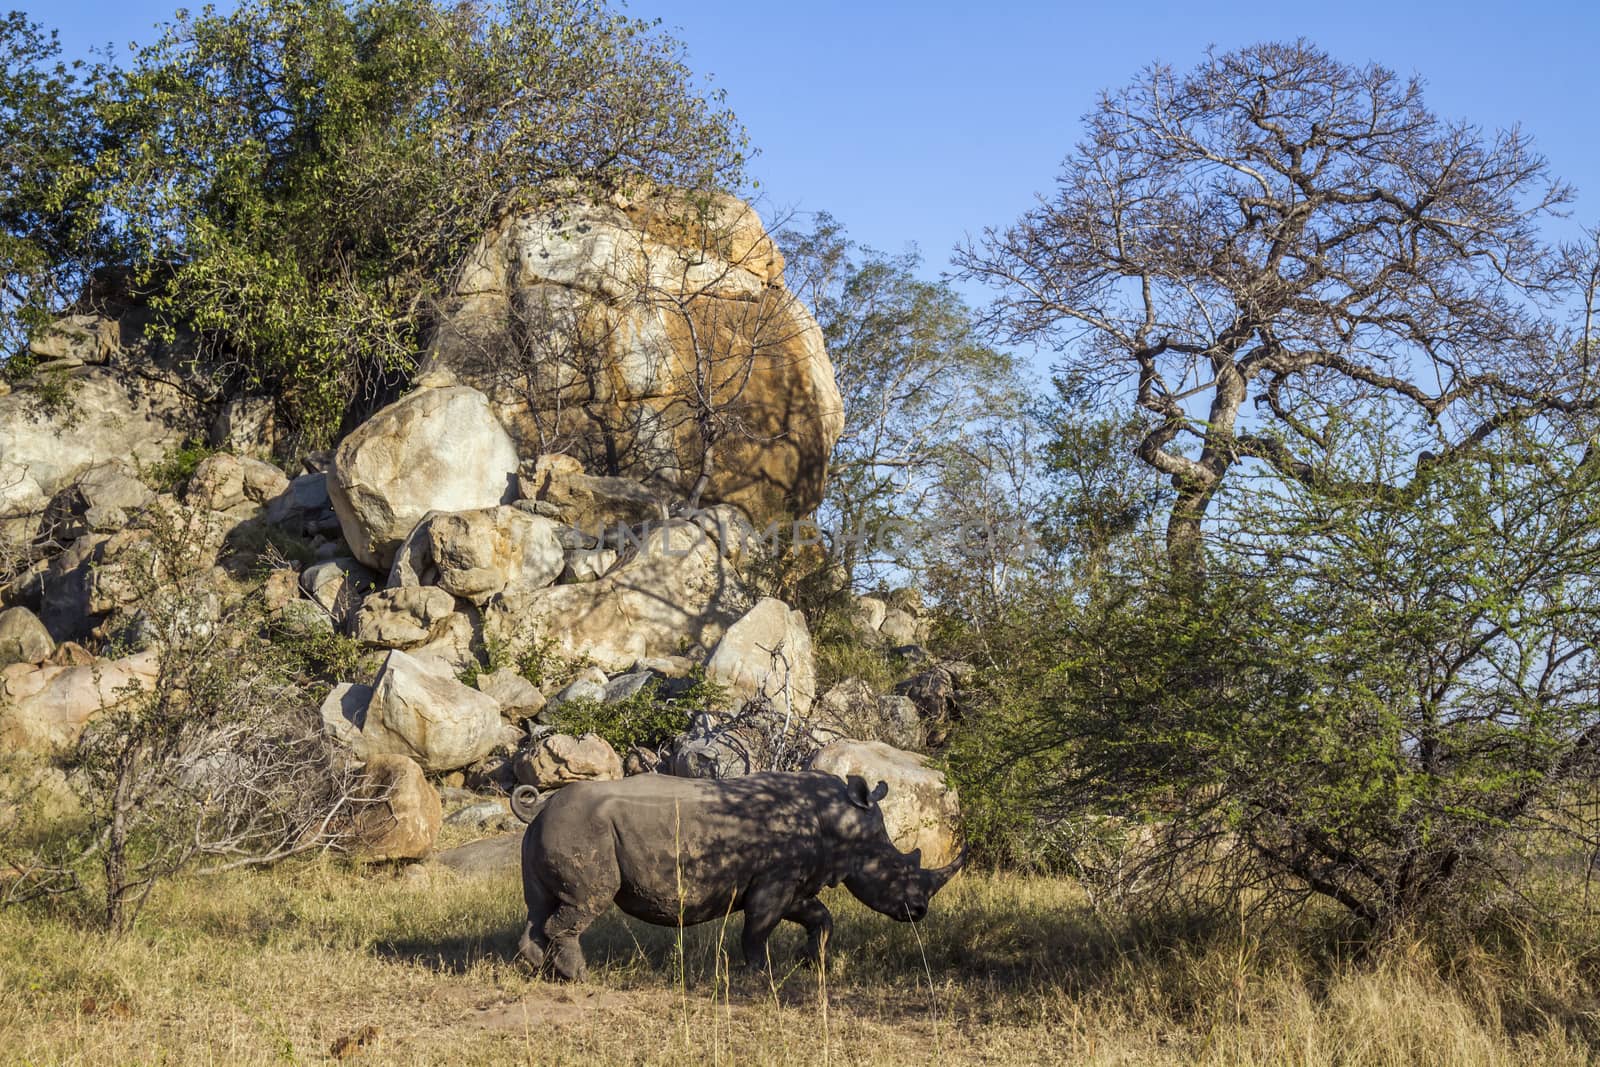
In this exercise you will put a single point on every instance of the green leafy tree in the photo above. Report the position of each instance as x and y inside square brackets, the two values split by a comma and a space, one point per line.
[48, 139]
[1376, 698]
[298, 180]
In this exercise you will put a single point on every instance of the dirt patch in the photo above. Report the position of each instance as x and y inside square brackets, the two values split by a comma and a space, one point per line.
[544, 1006]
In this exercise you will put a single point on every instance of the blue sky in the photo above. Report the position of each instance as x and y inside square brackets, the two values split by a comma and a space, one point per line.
[922, 122]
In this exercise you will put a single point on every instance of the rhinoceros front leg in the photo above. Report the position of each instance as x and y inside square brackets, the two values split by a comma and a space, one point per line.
[765, 906]
[814, 915]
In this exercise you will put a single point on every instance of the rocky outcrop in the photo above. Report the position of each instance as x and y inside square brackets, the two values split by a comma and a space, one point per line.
[400, 814]
[417, 711]
[100, 573]
[437, 449]
[851, 710]
[767, 654]
[103, 416]
[590, 324]
[100, 500]
[557, 486]
[921, 810]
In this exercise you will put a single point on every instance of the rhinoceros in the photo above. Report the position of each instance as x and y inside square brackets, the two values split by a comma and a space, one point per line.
[680, 851]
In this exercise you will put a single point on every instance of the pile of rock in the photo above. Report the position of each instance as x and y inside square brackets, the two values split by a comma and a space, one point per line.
[440, 529]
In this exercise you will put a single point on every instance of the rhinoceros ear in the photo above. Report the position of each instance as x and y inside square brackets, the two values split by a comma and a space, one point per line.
[880, 792]
[856, 787]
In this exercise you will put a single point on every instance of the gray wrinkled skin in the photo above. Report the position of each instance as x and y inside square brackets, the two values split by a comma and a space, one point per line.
[677, 851]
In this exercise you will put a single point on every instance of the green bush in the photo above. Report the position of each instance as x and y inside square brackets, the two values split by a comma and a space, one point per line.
[169, 473]
[647, 718]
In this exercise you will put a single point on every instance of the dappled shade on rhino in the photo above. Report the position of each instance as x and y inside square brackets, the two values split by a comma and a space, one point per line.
[678, 851]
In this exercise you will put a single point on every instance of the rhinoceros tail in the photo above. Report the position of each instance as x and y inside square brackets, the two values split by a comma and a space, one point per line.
[525, 802]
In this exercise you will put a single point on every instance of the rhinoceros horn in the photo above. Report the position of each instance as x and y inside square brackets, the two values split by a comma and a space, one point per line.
[934, 879]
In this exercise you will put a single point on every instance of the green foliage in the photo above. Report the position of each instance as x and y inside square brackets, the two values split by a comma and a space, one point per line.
[840, 653]
[647, 718]
[173, 470]
[539, 658]
[52, 395]
[317, 169]
[293, 183]
[1376, 697]
[48, 140]
[320, 659]
[270, 544]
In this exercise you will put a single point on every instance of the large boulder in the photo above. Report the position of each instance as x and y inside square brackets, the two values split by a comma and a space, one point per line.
[595, 324]
[677, 589]
[558, 759]
[438, 449]
[400, 814]
[767, 653]
[921, 810]
[239, 485]
[478, 554]
[43, 710]
[418, 711]
[23, 638]
[105, 415]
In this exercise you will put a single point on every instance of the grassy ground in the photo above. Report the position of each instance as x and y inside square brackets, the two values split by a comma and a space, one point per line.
[283, 966]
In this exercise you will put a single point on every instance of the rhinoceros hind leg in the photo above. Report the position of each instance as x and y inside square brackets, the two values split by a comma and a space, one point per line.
[814, 915]
[564, 955]
[531, 947]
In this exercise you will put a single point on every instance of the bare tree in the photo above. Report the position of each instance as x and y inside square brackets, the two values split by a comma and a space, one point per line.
[221, 761]
[1279, 228]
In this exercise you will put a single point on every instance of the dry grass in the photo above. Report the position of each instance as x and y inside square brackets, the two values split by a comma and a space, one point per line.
[281, 967]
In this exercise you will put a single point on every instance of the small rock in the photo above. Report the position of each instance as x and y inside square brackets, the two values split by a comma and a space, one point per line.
[666, 666]
[557, 759]
[641, 760]
[518, 697]
[898, 627]
[869, 613]
[590, 685]
[474, 815]
[340, 586]
[624, 686]
[23, 638]
[281, 586]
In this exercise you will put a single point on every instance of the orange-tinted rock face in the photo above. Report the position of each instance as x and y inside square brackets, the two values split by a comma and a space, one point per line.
[619, 333]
